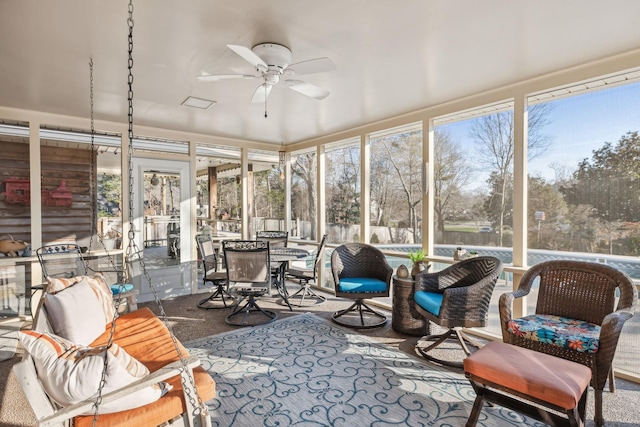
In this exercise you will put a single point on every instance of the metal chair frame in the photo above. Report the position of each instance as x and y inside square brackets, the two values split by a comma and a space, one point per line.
[211, 274]
[249, 276]
[304, 276]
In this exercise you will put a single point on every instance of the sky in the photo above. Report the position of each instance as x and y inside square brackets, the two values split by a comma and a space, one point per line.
[577, 126]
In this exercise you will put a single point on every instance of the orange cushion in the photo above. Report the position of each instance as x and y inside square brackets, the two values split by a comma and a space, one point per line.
[548, 378]
[147, 339]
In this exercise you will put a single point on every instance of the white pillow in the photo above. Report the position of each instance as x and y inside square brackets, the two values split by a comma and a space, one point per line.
[97, 282]
[76, 313]
[70, 373]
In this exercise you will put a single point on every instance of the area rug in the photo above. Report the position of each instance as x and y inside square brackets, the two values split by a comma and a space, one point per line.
[305, 371]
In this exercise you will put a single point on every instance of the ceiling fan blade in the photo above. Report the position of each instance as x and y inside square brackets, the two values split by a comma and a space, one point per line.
[307, 89]
[262, 93]
[318, 65]
[204, 77]
[248, 55]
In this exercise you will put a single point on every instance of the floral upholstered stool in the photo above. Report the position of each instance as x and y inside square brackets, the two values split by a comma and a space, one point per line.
[519, 378]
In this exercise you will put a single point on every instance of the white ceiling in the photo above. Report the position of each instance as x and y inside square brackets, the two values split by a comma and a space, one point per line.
[391, 56]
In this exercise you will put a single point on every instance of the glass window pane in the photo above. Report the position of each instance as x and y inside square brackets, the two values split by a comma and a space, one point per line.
[396, 186]
[343, 193]
[581, 186]
[304, 193]
[473, 183]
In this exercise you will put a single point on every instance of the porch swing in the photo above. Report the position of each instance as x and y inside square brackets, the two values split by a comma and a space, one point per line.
[142, 373]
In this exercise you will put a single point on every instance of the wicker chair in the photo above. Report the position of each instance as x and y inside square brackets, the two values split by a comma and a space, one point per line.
[211, 274]
[306, 275]
[455, 298]
[360, 271]
[580, 293]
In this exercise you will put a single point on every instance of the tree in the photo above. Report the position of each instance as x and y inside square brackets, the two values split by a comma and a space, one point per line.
[343, 186]
[109, 195]
[450, 175]
[499, 204]
[304, 189]
[268, 194]
[543, 197]
[493, 135]
[396, 169]
[610, 181]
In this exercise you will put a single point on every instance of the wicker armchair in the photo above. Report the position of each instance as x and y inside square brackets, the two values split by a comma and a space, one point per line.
[455, 298]
[581, 295]
[360, 271]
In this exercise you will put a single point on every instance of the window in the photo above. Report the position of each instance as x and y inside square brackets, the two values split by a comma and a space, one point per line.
[304, 189]
[396, 185]
[473, 179]
[582, 184]
[343, 192]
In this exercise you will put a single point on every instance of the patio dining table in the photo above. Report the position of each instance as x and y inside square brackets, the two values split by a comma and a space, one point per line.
[279, 257]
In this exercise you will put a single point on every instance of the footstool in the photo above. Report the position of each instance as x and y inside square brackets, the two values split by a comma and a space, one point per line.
[528, 382]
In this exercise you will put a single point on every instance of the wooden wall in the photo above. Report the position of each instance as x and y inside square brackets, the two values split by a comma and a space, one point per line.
[73, 166]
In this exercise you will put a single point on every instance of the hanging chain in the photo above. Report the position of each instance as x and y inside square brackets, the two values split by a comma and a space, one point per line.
[92, 173]
[200, 407]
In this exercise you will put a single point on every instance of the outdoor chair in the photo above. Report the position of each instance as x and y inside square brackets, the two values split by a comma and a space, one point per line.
[65, 261]
[360, 271]
[306, 275]
[576, 316]
[211, 274]
[455, 298]
[275, 238]
[249, 276]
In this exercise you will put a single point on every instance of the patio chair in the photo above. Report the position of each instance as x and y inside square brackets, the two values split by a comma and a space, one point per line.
[65, 261]
[211, 274]
[455, 298]
[249, 276]
[275, 238]
[306, 275]
[360, 271]
[576, 316]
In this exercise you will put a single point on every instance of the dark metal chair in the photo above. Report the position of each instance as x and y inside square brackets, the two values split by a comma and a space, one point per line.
[65, 260]
[211, 274]
[275, 238]
[306, 275]
[576, 316]
[455, 298]
[61, 261]
[360, 271]
[249, 276]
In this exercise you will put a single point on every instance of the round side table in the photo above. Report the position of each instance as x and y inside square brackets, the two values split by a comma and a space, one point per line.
[405, 319]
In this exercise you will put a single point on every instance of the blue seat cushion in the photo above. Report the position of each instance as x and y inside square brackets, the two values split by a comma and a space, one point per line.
[429, 301]
[361, 284]
[121, 287]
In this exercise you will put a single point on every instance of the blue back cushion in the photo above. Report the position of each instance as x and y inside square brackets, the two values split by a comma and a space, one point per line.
[361, 284]
[430, 301]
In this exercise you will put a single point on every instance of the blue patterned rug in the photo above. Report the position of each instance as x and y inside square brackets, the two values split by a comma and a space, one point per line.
[305, 371]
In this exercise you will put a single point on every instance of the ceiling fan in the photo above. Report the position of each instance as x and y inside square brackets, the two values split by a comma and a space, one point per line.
[273, 61]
